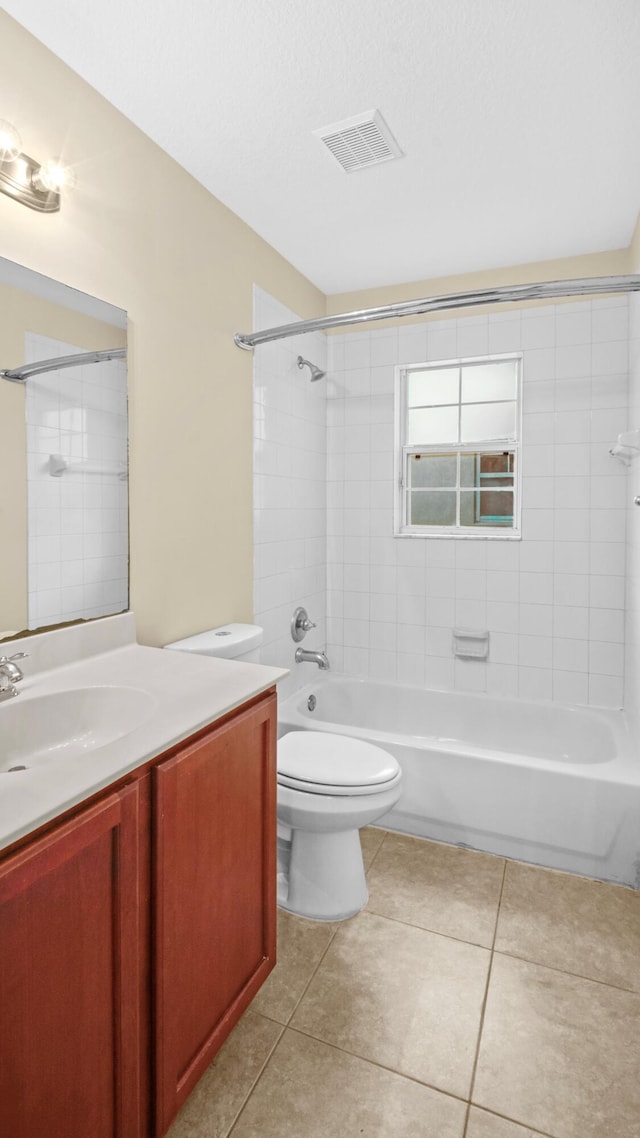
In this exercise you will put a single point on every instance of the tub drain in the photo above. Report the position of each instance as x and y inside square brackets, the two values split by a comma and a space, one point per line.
[18, 767]
[311, 703]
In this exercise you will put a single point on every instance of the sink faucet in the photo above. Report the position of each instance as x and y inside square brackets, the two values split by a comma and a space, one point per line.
[319, 658]
[10, 675]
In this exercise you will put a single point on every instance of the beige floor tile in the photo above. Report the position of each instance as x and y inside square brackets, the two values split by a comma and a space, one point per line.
[560, 1054]
[370, 840]
[484, 1125]
[442, 888]
[310, 1090]
[301, 944]
[213, 1105]
[402, 997]
[571, 923]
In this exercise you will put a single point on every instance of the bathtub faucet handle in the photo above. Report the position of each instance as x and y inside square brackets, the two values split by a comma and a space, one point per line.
[300, 624]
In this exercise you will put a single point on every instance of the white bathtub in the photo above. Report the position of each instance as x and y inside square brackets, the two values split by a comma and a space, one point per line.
[545, 783]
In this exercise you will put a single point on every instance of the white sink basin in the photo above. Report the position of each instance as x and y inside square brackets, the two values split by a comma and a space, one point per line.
[62, 725]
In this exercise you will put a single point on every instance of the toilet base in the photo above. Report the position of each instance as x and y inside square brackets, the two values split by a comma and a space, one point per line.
[326, 879]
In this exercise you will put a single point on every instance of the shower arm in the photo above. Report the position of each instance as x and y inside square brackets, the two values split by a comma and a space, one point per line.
[505, 294]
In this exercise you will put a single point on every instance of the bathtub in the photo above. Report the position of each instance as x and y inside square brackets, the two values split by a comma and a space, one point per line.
[554, 785]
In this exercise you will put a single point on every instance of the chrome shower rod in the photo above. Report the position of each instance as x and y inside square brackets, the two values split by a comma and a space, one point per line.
[20, 374]
[543, 290]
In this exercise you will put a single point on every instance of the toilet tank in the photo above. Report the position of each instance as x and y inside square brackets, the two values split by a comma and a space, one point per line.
[230, 641]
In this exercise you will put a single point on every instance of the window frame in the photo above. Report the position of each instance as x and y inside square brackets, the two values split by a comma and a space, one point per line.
[402, 450]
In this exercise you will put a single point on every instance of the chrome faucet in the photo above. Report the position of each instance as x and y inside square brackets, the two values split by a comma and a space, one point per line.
[10, 675]
[319, 658]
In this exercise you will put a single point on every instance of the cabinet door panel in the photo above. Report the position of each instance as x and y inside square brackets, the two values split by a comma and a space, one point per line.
[214, 894]
[69, 978]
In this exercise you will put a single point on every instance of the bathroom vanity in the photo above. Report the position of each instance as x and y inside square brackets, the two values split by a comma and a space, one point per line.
[137, 907]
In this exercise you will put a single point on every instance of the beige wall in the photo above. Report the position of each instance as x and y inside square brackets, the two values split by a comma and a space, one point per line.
[20, 312]
[588, 265]
[142, 234]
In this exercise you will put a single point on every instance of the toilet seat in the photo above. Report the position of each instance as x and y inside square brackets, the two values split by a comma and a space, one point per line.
[319, 762]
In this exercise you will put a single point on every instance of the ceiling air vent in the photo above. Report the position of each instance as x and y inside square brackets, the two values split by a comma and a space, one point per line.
[364, 140]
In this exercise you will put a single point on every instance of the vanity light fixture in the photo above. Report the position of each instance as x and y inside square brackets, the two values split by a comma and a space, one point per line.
[35, 184]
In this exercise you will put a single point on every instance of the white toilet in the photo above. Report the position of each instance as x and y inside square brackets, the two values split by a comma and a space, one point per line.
[230, 641]
[329, 786]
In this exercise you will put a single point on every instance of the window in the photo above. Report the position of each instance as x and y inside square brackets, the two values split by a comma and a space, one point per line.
[458, 448]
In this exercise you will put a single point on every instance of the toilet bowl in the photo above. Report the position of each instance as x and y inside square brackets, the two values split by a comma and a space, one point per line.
[329, 787]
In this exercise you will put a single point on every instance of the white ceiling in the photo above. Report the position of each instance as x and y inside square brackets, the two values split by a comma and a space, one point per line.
[519, 119]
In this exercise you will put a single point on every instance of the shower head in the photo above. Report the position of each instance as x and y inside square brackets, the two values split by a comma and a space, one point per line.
[316, 372]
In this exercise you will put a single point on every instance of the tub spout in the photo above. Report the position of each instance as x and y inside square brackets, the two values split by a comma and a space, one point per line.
[319, 658]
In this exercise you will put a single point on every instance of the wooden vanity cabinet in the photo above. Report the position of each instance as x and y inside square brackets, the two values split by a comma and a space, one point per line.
[214, 880]
[134, 933]
[70, 977]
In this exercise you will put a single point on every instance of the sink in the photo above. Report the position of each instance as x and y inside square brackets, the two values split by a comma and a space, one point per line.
[62, 725]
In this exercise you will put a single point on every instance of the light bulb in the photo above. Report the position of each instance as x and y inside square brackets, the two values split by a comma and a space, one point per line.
[10, 142]
[53, 177]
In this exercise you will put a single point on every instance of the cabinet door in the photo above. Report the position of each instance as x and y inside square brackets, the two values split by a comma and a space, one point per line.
[214, 881]
[69, 978]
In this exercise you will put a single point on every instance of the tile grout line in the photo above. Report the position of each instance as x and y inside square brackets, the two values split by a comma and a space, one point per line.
[514, 1122]
[311, 977]
[327, 947]
[283, 1028]
[368, 867]
[375, 1063]
[424, 929]
[256, 1080]
[484, 1002]
[566, 972]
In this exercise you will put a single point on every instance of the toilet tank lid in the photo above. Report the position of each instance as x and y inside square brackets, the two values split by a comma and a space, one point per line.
[228, 640]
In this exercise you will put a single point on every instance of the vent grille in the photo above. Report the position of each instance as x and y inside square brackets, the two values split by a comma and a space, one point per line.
[364, 140]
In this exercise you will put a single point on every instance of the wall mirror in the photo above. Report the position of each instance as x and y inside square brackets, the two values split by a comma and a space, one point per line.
[63, 441]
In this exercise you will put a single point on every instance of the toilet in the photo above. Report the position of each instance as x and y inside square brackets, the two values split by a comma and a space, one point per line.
[229, 641]
[329, 787]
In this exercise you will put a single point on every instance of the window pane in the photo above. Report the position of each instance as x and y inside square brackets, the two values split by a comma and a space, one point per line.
[433, 387]
[432, 508]
[488, 421]
[432, 469]
[487, 470]
[486, 508]
[433, 425]
[489, 381]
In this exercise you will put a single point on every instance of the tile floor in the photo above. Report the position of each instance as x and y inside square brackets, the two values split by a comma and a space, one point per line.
[473, 998]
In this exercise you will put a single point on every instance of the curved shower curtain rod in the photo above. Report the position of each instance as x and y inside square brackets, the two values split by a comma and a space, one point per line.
[20, 374]
[543, 290]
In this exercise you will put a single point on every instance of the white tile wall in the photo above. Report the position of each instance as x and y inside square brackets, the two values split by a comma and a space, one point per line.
[553, 602]
[77, 523]
[632, 488]
[290, 491]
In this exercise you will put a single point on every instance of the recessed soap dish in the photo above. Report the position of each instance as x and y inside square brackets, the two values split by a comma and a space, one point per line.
[471, 643]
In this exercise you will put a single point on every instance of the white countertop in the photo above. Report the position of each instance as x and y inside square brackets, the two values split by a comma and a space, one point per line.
[188, 693]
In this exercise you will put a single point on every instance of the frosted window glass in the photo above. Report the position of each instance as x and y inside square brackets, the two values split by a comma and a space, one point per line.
[488, 421]
[432, 425]
[434, 387]
[432, 508]
[481, 382]
[432, 469]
